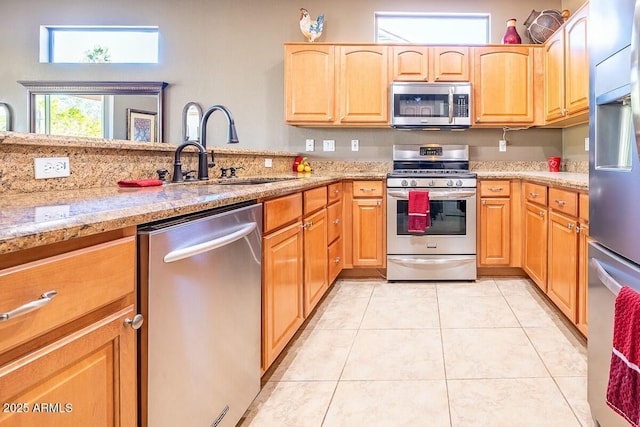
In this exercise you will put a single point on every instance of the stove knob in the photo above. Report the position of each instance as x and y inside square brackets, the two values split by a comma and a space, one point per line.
[414, 183]
[459, 183]
[432, 183]
[404, 183]
[449, 183]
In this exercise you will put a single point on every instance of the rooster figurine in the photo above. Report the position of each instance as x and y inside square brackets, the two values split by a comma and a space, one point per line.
[311, 29]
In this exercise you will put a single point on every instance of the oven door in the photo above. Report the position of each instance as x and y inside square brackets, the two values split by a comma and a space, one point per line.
[453, 223]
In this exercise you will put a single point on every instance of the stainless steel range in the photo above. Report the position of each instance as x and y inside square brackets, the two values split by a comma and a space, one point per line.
[447, 250]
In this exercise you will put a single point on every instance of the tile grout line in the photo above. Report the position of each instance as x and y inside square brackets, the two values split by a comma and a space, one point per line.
[444, 364]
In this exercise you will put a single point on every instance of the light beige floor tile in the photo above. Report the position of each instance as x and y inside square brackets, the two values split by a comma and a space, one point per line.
[389, 403]
[531, 311]
[519, 402]
[575, 390]
[457, 311]
[401, 313]
[290, 404]
[560, 351]
[516, 286]
[354, 288]
[340, 312]
[479, 288]
[405, 290]
[490, 353]
[414, 354]
[315, 355]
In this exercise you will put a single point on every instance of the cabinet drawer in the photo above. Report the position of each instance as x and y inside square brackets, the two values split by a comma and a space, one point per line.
[334, 192]
[500, 188]
[335, 221]
[336, 259]
[84, 280]
[563, 201]
[535, 193]
[367, 189]
[315, 199]
[281, 211]
[583, 201]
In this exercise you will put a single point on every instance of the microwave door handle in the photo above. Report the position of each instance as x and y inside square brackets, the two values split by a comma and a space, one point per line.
[451, 105]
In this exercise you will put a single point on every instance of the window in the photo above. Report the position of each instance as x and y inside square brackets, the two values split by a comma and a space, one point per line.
[71, 115]
[80, 44]
[432, 28]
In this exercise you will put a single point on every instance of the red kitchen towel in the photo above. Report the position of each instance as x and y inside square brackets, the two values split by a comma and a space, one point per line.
[139, 183]
[419, 219]
[623, 390]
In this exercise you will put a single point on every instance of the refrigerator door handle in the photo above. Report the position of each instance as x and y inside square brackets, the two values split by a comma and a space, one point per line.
[635, 73]
[605, 277]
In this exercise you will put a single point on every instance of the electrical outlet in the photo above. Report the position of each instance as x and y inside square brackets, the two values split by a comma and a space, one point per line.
[329, 145]
[51, 167]
[355, 145]
[268, 163]
[310, 145]
[586, 144]
[502, 145]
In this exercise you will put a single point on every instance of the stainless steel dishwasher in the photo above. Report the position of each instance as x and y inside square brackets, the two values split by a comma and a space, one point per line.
[200, 292]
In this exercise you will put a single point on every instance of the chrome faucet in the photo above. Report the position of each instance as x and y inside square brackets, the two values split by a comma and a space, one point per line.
[232, 136]
[203, 170]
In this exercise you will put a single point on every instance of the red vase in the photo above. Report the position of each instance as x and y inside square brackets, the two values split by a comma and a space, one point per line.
[511, 36]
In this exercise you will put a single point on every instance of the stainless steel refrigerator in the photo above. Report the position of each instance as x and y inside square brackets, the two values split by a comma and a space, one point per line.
[614, 183]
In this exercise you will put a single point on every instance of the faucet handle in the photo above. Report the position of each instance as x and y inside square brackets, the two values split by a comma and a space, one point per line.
[234, 170]
[223, 172]
[163, 174]
[212, 163]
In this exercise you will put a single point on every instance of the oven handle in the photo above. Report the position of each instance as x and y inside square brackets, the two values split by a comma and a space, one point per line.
[437, 261]
[434, 195]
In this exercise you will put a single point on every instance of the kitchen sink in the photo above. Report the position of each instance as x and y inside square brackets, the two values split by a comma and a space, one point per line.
[253, 181]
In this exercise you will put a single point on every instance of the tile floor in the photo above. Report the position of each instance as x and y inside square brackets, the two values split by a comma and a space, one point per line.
[491, 353]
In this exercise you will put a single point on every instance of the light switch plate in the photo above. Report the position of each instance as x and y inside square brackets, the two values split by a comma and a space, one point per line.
[586, 144]
[355, 145]
[502, 145]
[310, 145]
[329, 145]
[51, 167]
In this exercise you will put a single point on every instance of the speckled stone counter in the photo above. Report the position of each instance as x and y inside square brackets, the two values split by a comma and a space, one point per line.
[578, 181]
[33, 219]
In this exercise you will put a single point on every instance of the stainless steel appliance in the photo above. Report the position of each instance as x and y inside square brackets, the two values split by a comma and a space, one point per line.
[447, 250]
[416, 105]
[614, 185]
[200, 287]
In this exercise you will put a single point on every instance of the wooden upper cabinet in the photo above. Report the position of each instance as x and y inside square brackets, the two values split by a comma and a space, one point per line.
[435, 64]
[504, 85]
[451, 64]
[577, 62]
[309, 72]
[554, 77]
[363, 84]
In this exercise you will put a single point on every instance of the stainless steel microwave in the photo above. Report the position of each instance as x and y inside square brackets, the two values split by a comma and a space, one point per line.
[417, 105]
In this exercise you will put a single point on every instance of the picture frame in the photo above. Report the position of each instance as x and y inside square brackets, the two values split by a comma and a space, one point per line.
[141, 125]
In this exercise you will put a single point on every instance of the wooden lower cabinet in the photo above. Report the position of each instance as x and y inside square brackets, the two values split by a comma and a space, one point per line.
[282, 289]
[495, 231]
[87, 378]
[316, 281]
[368, 233]
[535, 243]
[583, 279]
[563, 263]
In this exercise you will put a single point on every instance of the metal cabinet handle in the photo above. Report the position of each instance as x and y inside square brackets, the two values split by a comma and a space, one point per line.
[136, 322]
[337, 260]
[437, 77]
[560, 202]
[44, 299]
[534, 195]
[484, 202]
[367, 189]
[541, 213]
[570, 226]
[336, 221]
[379, 203]
[578, 230]
[495, 189]
[336, 191]
[307, 224]
[330, 118]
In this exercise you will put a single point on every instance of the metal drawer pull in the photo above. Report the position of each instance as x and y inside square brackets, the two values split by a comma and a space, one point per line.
[136, 322]
[337, 260]
[560, 202]
[569, 226]
[44, 299]
[495, 189]
[336, 221]
[541, 213]
[336, 191]
[532, 194]
[367, 189]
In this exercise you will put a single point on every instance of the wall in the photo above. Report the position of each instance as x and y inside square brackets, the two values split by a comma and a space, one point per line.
[230, 52]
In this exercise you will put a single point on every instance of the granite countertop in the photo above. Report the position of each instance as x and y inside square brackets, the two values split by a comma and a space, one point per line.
[33, 219]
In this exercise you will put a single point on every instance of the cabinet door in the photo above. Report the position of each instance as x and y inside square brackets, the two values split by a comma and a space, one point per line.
[535, 244]
[577, 63]
[282, 292]
[451, 64]
[309, 72]
[554, 77]
[316, 280]
[583, 279]
[363, 84]
[563, 264]
[495, 236]
[87, 378]
[368, 233]
[411, 63]
[503, 88]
